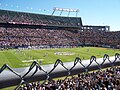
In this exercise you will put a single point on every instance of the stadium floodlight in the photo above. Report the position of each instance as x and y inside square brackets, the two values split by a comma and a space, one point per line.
[65, 10]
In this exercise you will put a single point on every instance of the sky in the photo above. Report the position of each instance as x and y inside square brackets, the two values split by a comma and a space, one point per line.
[92, 12]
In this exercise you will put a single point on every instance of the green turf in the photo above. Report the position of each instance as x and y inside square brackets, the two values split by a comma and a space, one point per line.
[9, 88]
[18, 58]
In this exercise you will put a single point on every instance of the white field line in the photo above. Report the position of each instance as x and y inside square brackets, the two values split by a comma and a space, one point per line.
[32, 60]
[64, 53]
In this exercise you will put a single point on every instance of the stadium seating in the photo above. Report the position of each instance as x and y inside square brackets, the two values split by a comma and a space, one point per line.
[16, 37]
[37, 19]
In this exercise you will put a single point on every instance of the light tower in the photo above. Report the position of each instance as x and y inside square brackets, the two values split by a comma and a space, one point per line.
[61, 10]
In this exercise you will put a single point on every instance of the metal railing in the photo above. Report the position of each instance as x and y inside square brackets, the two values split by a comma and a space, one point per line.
[37, 72]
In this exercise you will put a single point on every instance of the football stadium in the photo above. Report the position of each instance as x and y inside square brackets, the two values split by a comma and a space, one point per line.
[49, 52]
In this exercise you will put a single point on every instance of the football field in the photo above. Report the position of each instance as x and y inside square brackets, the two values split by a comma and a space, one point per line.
[22, 58]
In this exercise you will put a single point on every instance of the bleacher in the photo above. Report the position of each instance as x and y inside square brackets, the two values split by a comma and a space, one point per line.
[37, 19]
[20, 29]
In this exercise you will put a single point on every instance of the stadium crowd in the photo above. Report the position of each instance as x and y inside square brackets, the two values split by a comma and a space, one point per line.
[36, 37]
[36, 19]
[16, 37]
[24, 37]
[108, 79]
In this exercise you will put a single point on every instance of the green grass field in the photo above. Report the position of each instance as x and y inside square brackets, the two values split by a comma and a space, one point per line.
[23, 58]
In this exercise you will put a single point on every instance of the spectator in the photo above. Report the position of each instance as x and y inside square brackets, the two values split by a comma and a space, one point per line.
[99, 80]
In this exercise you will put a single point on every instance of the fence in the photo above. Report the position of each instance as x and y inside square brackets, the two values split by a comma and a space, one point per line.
[37, 72]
